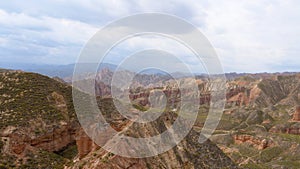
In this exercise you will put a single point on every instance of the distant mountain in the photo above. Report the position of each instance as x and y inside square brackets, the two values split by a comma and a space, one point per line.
[262, 75]
[66, 71]
[61, 71]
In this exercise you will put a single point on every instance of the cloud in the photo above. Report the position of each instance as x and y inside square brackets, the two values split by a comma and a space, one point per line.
[32, 39]
[254, 35]
[249, 36]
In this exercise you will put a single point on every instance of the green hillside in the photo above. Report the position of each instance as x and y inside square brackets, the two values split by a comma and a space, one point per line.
[26, 96]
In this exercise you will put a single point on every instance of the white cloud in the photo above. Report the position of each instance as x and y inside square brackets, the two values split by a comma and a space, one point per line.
[249, 36]
[61, 30]
[253, 35]
[26, 35]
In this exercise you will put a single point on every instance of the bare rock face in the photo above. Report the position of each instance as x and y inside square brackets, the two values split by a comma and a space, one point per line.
[84, 144]
[17, 143]
[296, 116]
[54, 140]
[237, 95]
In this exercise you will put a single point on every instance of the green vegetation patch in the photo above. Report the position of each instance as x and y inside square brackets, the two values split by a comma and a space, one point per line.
[24, 96]
[70, 152]
[248, 151]
[270, 153]
[290, 137]
[44, 160]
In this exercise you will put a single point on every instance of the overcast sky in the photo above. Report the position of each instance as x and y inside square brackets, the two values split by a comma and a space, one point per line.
[248, 35]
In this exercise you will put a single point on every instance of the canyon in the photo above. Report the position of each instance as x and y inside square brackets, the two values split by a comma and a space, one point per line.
[39, 126]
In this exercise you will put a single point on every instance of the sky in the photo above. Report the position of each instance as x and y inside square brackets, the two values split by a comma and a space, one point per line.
[248, 36]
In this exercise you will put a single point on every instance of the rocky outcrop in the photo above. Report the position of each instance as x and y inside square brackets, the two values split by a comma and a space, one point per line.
[102, 89]
[53, 141]
[259, 143]
[243, 91]
[84, 144]
[56, 140]
[236, 96]
[296, 116]
[239, 93]
[286, 129]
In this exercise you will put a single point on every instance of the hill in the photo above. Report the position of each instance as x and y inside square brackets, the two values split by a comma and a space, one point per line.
[37, 121]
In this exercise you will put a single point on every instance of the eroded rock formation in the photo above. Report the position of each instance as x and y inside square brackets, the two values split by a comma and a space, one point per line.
[286, 129]
[52, 141]
[258, 143]
[189, 153]
[296, 116]
[84, 144]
